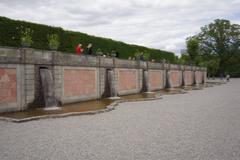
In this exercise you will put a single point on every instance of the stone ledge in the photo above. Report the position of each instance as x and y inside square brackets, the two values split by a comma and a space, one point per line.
[45, 57]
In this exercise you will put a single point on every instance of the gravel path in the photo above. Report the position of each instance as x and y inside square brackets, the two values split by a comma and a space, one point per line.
[199, 125]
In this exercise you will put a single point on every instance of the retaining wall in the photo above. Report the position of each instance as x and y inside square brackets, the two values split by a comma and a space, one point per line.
[81, 78]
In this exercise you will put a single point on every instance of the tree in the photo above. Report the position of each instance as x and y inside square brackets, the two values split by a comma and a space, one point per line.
[233, 66]
[184, 59]
[212, 65]
[220, 39]
[192, 49]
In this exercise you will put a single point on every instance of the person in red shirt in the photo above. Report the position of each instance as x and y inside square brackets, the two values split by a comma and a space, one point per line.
[79, 49]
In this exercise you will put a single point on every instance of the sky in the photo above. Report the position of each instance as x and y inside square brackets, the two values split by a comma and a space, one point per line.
[160, 24]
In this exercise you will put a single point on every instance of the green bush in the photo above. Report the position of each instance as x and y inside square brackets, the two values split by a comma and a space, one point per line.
[10, 35]
[53, 41]
[26, 37]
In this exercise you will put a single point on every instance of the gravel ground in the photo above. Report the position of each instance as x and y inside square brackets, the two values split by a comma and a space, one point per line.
[202, 125]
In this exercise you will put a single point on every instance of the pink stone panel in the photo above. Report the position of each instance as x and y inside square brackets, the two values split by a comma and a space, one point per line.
[188, 77]
[127, 79]
[175, 78]
[155, 79]
[198, 76]
[79, 82]
[8, 85]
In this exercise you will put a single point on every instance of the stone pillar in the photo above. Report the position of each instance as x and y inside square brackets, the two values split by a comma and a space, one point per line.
[205, 76]
[195, 77]
[29, 75]
[58, 80]
[164, 67]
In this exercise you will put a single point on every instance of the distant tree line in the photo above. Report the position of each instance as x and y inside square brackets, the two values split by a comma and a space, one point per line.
[216, 47]
[42, 35]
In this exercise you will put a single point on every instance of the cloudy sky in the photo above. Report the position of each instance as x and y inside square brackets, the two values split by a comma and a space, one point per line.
[161, 24]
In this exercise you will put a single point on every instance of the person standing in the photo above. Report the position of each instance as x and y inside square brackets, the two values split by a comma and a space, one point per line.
[89, 49]
[228, 77]
[141, 57]
[79, 49]
[117, 54]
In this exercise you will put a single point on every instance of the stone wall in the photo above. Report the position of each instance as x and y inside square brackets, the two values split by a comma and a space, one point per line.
[199, 75]
[79, 83]
[174, 78]
[188, 78]
[8, 85]
[127, 81]
[13, 94]
[156, 79]
[80, 78]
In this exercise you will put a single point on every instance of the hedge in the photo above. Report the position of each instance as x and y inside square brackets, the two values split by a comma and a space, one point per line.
[10, 36]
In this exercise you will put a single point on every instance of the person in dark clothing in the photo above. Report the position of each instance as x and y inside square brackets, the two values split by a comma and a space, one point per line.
[89, 49]
[228, 77]
[141, 57]
[117, 54]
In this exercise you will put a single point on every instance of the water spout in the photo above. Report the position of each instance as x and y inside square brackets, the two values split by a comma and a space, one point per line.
[111, 82]
[146, 84]
[48, 89]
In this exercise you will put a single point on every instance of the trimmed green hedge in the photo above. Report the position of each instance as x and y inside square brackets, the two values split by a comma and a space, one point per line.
[10, 36]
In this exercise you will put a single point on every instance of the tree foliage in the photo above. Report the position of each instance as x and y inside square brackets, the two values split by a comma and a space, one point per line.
[217, 46]
[222, 40]
[192, 48]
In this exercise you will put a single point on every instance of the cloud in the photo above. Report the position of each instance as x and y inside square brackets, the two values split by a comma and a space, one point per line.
[161, 24]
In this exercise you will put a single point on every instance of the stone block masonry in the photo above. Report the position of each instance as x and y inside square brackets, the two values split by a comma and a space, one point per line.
[174, 78]
[8, 85]
[127, 81]
[12, 92]
[81, 78]
[79, 83]
[156, 79]
[188, 78]
[198, 77]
